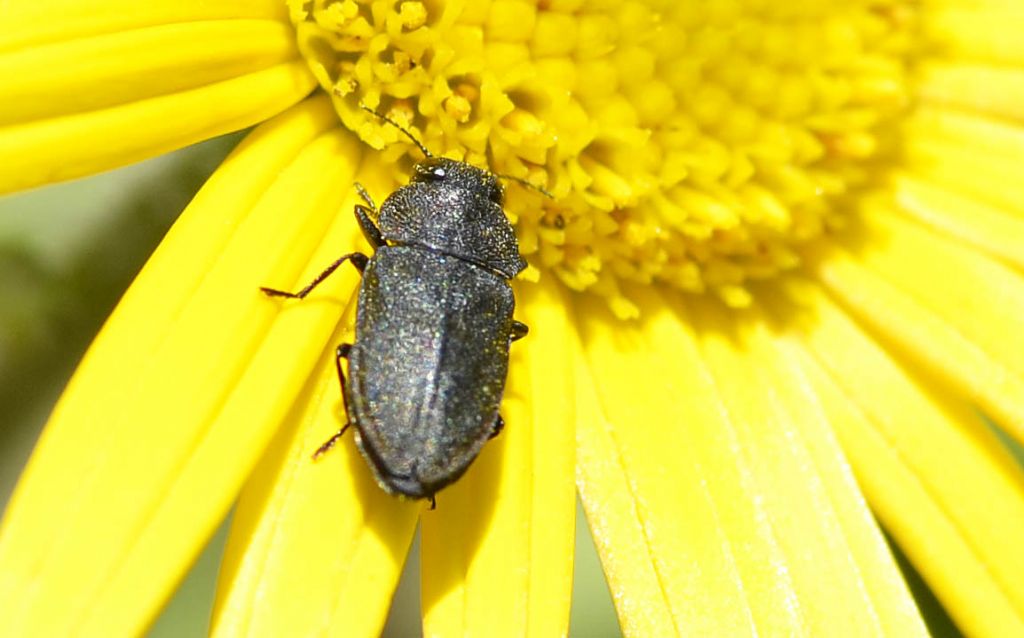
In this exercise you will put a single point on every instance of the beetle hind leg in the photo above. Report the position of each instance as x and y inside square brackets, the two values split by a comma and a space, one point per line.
[329, 443]
[340, 353]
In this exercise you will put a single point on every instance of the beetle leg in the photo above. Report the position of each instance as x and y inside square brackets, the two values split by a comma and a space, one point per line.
[358, 260]
[329, 443]
[433, 502]
[339, 354]
[366, 197]
[497, 426]
[370, 230]
[519, 330]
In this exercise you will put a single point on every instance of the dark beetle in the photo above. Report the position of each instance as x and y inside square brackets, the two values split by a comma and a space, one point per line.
[433, 325]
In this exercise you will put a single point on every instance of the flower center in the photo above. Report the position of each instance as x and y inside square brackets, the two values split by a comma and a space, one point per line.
[698, 144]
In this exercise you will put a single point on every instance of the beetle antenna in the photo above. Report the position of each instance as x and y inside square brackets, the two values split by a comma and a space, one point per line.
[398, 126]
[527, 184]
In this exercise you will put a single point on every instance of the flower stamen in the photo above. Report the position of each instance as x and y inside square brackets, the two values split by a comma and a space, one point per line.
[694, 144]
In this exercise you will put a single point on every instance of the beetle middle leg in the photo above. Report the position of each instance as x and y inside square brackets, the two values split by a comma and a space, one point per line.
[359, 260]
[339, 354]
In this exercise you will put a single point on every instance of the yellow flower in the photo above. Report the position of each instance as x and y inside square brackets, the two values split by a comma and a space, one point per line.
[779, 283]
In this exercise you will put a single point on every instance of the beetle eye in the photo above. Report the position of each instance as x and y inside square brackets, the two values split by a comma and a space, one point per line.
[429, 172]
[496, 194]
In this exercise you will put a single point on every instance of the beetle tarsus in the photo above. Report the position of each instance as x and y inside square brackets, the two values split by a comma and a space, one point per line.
[329, 443]
[366, 196]
[433, 502]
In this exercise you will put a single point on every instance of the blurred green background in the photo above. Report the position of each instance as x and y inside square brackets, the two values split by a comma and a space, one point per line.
[67, 253]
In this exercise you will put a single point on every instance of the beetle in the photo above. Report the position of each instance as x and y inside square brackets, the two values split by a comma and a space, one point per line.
[434, 325]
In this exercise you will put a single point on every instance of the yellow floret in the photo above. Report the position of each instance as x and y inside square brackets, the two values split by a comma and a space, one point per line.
[696, 144]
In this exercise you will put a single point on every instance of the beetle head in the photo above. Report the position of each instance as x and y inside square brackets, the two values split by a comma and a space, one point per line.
[454, 208]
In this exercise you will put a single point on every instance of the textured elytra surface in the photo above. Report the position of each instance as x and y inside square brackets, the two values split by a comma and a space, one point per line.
[453, 208]
[428, 366]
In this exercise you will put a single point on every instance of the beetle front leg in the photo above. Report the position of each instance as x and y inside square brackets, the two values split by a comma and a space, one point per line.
[370, 230]
[359, 260]
[366, 197]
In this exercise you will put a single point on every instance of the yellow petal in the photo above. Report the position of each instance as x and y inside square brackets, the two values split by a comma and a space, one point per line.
[181, 391]
[935, 475]
[100, 94]
[971, 155]
[952, 310]
[976, 60]
[993, 90]
[987, 228]
[75, 76]
[31, 23]
[719, 499]
[605, 485]
[316, 548]
[498, 550]
[961, 179]
[977, 33]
